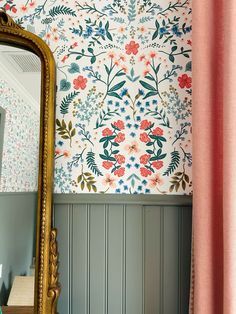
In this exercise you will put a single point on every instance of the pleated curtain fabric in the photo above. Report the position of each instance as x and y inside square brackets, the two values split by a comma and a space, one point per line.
[214, 157]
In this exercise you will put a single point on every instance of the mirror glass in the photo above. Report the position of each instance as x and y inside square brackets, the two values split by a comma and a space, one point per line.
[20, 80]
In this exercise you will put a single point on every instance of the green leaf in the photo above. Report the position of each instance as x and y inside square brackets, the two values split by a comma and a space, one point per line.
[188, 66]
[171, 58]
[64, 85]
[117, 86]
[66, 101]
[147, 86]
[113, 94]
[175, 160]
[174, 48]
[149, 94]
[74, 68]
[61, 10]
[90, 159]
[93, 59]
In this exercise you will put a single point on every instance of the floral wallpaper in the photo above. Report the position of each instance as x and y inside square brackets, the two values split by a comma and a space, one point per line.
[19, 172]
[124, 92]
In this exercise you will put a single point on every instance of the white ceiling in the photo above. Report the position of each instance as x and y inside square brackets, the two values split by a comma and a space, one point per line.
[25, 67]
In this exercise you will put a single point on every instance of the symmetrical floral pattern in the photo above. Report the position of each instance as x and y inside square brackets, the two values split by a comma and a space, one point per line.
[19, 172]
[124, 92]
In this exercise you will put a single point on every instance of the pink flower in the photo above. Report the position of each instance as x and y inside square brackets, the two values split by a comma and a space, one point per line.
[57, 151]
[144, 137]
[155, 180]
[119, 124]
[132, 148]
[157, 131]
[185, 81]
[80, 82]
[144, 159]
[107, 164]
[7, 7]
[107, 132]
[145, 172]
[119, 172]
[157, 164]
[145, 124]
[109, 180]
[64, 58]
[120, 137]
[120, 158]
[14, 9]
[132, 48]
[66, 153]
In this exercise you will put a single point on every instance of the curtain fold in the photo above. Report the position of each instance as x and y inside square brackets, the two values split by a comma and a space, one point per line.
[214, 157]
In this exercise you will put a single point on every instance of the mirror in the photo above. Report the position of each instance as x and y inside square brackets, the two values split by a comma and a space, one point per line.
[28, 247]
[20, 80]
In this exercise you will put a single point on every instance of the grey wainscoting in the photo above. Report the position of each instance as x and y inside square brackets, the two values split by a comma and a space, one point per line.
[17, 237]
[124, 254]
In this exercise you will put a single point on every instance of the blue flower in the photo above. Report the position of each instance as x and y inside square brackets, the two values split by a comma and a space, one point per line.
[132, 158]
[144, 182]
[140, 188]
[110, 102]
[126, 102]
[128, 166]
[101, 31]
[122, 109]
[132, 134]
[60, 143]
[125, 187]
[147, 191]
[129, 125]
[163, 30]
[154, 101]
[124, 92]
[117, 190]
[127, 118]
[147, 104]
[136, 126]
[121, 182]
[138, 118]
[141, 92]
[137, 166]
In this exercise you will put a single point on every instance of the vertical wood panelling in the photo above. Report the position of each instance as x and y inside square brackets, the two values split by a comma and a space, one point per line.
[97, 259]
[134, 259]
[79, 248]
[171, 258]
[124, 259]
[115, 256]
[152, 274]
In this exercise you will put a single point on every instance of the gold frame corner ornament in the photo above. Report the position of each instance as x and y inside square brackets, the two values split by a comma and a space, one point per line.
[47, 287]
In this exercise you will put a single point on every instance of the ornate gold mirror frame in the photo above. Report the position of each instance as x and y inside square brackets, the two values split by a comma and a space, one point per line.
[47, 288]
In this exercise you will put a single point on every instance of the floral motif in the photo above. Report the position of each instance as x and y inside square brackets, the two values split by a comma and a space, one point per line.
[124, 92]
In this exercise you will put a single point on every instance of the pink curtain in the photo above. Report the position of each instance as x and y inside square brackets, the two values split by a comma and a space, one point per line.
[214, 157]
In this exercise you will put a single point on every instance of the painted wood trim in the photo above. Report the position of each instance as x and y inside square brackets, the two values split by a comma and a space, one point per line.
[141, 199]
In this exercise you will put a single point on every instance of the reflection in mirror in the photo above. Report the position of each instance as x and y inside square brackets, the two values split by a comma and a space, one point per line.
[20, 76]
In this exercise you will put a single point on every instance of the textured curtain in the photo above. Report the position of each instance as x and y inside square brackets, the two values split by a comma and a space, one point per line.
[214, 156]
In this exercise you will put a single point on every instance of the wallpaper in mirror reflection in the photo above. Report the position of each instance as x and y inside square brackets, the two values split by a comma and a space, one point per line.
[20, 76]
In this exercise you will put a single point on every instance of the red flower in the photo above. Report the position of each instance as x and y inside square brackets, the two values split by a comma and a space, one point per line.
[120, 158]
[119, 124]
[14, 9]
[119, 172]
[145, 172]
[7, 7]
[144, 159]
[107, 132]
[120, 137]
[185, 81]
[157, 131]
[107, 164]
[157, 164]
[132, 48]
[80, 82]
[145, 124]
[144, 137]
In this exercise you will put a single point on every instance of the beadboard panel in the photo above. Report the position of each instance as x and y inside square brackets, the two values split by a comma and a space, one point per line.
[124, 258]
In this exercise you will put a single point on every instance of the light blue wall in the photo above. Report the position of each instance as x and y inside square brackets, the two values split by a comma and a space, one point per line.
[17, 237]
